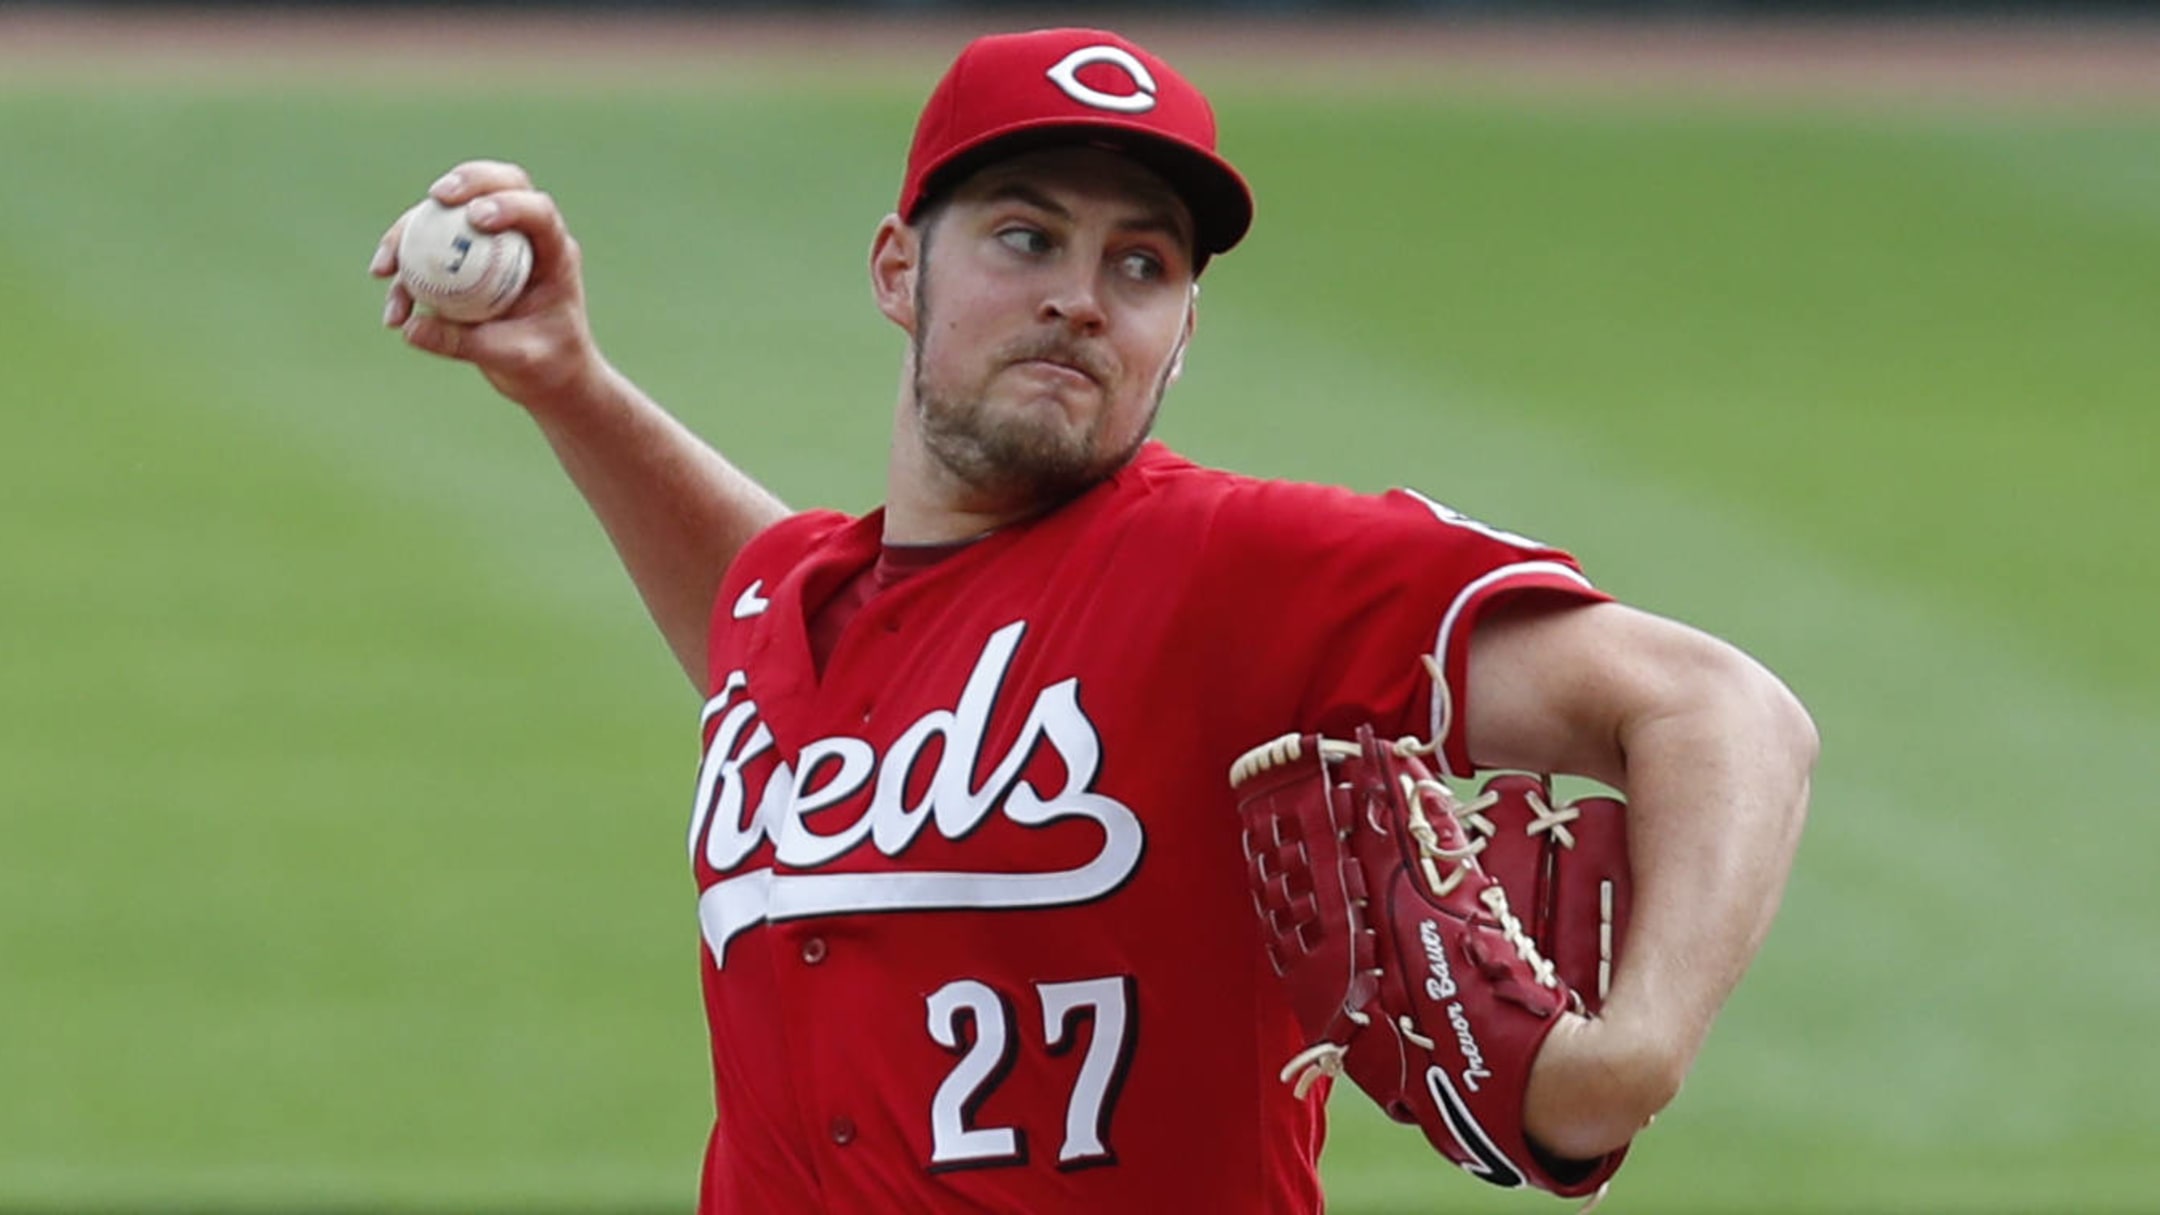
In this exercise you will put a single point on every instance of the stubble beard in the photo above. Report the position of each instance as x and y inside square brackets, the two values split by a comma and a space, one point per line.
[1025, 461]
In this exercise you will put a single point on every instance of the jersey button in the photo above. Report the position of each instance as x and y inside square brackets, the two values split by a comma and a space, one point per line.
[843, 1130]
[813, 952]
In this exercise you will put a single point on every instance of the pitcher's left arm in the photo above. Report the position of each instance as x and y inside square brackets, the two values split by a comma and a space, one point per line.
[1714, 754]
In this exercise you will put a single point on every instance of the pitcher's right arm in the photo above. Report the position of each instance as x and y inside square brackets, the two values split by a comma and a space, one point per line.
[676, 511]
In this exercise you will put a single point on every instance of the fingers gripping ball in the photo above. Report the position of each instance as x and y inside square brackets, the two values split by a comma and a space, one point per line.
[456, 271]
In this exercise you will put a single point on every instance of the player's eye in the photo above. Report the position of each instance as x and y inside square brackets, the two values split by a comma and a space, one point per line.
[1022, 239]
[1142, 265]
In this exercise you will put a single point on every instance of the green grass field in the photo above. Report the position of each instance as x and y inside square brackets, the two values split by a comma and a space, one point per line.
[342, 783]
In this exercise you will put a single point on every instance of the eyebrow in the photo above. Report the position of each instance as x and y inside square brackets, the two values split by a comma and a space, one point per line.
[1152, 219]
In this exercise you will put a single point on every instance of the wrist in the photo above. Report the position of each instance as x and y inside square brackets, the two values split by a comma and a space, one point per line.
[1650, 1056]
[1596, 1084]
[579, 389]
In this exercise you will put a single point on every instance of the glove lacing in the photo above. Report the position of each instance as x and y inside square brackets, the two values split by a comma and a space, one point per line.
[1307, 1066]
[1546, 818]
[1463, 862]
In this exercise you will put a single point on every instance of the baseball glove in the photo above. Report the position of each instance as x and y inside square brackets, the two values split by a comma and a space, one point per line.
[1428, 947]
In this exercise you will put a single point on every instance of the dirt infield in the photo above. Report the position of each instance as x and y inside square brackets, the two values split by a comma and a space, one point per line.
[1941, 60]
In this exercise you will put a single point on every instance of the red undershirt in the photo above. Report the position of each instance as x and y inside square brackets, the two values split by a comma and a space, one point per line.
[896, 563]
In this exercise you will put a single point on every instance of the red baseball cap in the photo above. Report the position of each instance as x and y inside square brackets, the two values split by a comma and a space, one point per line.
[1012, 93]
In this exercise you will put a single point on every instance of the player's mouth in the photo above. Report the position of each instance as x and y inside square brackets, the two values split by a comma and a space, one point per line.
[1053, 369]
[1059, 359]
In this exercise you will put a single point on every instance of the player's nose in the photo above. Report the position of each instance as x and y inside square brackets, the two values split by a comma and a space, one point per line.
[1073, 298]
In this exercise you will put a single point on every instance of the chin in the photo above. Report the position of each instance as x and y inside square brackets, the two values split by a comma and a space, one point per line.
[1028, 443]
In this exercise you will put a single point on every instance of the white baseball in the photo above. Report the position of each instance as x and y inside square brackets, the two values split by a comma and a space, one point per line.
[459, 273]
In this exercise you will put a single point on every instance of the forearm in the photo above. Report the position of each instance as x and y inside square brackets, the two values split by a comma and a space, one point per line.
[1717, 785]
[1714, 755]
[1717, 789]
[676, 511]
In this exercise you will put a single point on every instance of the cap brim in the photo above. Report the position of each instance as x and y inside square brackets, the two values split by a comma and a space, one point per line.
[1220, 202]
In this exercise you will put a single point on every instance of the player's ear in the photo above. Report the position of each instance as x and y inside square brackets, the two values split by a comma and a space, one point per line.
[1192, 322]
[895, 260]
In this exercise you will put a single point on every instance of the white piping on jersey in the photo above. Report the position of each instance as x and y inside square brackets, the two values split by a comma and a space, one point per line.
[1441, 702]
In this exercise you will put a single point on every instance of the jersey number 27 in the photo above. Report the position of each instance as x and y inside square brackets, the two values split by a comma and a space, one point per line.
[975, 1021]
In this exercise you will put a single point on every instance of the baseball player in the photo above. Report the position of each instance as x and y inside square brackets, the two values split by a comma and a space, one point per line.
[978, 935]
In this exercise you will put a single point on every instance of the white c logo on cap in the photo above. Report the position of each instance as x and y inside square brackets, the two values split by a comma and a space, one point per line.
[1066, 75]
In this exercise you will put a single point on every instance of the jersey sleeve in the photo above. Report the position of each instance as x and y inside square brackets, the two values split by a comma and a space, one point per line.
[1344, 595]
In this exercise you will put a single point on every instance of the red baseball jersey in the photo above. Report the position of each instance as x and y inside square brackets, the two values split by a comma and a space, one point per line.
[977, 936]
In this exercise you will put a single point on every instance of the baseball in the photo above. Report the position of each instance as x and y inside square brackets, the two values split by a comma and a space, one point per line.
[458, 273]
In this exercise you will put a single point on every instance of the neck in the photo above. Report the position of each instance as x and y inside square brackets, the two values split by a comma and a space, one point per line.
[925, 503]
[916, 512]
